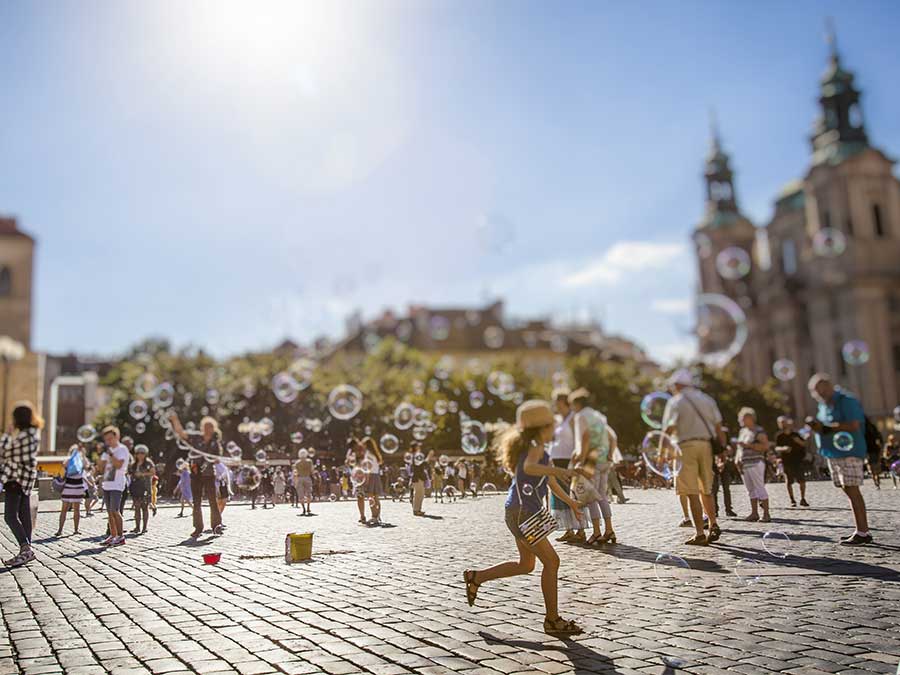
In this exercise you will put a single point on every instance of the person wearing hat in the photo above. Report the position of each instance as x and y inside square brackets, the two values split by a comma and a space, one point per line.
[142, 472]
[561, 450]
[521, 451]
[693, 418]
[751, 460]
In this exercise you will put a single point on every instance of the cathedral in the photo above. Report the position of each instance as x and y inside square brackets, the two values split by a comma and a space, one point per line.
[819, 284]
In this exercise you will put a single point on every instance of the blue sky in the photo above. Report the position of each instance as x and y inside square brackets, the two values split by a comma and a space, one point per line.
[230, 174]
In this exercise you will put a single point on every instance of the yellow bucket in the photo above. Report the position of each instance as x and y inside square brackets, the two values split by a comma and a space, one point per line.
[298, 547]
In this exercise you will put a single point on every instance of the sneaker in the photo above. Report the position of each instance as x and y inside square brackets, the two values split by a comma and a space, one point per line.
[803, 502]
[107, 541]
[118, 541]
[793, 504]
[857, 539]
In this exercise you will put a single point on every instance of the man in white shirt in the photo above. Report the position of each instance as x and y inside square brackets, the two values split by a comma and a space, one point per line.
[114, 470]
[693, 419]
[561, 450]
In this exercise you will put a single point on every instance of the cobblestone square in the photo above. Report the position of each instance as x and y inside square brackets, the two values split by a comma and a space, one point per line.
[390, 600]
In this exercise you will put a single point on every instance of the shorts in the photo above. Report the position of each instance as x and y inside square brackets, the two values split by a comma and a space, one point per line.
[223, 491]
[875, 462]
[794, 473]
[304, 488]
[754, 476]
[696, 475]
[371, 488]
[514, 516]
[846, 471]
[112, 500]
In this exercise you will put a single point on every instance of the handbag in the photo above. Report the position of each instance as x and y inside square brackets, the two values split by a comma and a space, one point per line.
[717, 447]
[537, 526]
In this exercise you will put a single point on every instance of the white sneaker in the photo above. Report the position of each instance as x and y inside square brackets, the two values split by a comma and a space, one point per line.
[118, 541]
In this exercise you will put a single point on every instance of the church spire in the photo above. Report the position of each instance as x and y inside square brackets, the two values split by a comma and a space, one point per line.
[721, 203]
[839, 131]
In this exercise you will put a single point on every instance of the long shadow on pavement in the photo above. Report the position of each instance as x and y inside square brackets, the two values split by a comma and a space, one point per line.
[793, 535]
[834, 566]
[584, 659]
[627, 552]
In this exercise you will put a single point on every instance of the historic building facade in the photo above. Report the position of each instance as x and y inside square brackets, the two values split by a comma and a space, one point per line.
[804, 297]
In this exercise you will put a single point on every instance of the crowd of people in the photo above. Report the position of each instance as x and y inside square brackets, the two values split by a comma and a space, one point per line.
[561, 461]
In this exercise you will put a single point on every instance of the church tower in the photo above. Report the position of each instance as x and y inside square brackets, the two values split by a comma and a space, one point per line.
[16, 266]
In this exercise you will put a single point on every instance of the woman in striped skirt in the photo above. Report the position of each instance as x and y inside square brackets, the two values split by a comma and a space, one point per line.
[73, 488]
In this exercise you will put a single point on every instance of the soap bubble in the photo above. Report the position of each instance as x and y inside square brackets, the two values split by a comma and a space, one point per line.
[389, 444]
[449, 491]
[138, 409]
[488, 487]
[855, 352]
[345, 401]
[670, 568]
[285, 387]
[145, 385]
[733, 263]
[297, 437]
[212, 396]
[140, 427]
[662, 455]
[476, 399]
[721, 329]
[829, 243]
[418, 459]
[704, 245]
[843, 441]
[784, 370]
[302, 453]
[86, 433]
[494, 337]
[501, 384]
[420, 433]
[266, 426]
[474, 437]
[895, 468]
[440, 407]
[367, 465]
[313, 424]
[332, 497]
[747, 572]
[407, 457]
[652, 408]
[164, 396]
[234, 451]
[776, 544]
[261, 456]
[443, 460]
[358, 476]
[527, 489]
[180, 464]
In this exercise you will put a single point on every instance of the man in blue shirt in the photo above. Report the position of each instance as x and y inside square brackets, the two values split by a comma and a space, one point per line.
[840, 425]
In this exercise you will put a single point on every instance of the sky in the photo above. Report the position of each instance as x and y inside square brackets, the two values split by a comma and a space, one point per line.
[230, 174]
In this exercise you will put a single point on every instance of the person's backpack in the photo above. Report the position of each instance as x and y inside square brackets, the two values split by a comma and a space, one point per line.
[874, 441]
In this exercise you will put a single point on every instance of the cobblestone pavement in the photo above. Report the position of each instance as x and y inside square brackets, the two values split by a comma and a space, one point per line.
[391, 600]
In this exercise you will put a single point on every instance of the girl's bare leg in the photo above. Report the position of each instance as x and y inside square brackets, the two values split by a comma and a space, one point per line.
[77, 515]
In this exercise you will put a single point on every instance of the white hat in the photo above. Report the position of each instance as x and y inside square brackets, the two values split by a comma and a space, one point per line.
[683, 377]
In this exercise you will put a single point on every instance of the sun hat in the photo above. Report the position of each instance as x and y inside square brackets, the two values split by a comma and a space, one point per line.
[683, 377]
[581, 392]
[533, 414]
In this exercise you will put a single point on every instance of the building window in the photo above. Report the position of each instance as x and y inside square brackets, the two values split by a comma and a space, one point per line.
[849, 227]
[826, 219]
[877, 220]
[5, 282]
[789, 257]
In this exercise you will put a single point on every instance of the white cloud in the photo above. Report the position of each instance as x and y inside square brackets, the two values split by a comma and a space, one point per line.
[671, 305]
[625, 257]
[669, 353]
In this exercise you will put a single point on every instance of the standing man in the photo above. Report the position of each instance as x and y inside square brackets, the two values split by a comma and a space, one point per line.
[561, 450]
[303, 483]
[207, 447]
[114, 471]
[792, 448]
[693, 418]
[839, 411]
[417, 481]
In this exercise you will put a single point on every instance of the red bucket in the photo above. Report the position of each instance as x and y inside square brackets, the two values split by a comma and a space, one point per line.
[211, 558]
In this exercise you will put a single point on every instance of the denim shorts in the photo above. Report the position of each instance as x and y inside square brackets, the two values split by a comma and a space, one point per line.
[112, 500]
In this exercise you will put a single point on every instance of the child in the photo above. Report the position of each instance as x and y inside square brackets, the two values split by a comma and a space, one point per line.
[184, 485]
[521, 450]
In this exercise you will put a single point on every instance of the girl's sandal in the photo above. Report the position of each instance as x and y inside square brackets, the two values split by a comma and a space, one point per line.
[560, 626]
[471, 586]
[594, 540]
